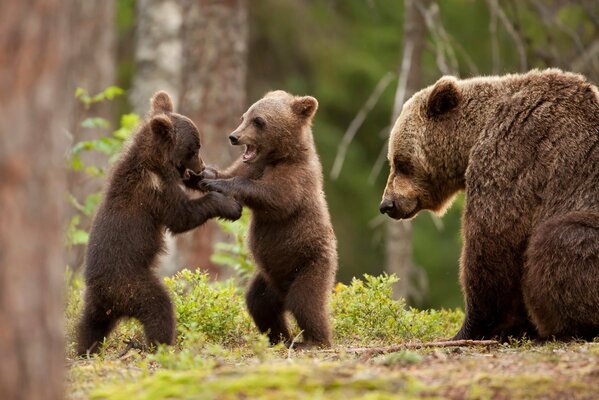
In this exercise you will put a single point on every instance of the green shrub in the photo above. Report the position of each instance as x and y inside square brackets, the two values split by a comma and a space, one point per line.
[217, 309]
[365, 311]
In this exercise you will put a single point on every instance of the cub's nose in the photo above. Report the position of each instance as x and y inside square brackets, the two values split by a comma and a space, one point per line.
[387, 205]
[234, 139]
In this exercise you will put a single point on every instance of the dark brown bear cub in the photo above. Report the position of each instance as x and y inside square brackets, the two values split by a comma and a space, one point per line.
[525, 149]
[143, 198]
[279, 177]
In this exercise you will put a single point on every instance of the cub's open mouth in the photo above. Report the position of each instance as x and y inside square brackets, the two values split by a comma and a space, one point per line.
[250, 153]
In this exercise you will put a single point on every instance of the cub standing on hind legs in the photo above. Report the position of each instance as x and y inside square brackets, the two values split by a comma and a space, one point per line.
[279, 177]
[143, 198]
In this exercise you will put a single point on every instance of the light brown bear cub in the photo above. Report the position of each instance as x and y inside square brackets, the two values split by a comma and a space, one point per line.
[525, 148]
[279, 177]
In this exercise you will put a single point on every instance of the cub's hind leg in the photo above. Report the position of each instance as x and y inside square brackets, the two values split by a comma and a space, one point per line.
[96, 323]
[308, 301]
[267, 308]
[151, 305]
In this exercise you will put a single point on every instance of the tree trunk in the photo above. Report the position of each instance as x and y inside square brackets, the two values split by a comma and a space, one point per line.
[213, 95]
[158, 60]
[91, 68]
[398, 245]
[33, 119]
[158, 52]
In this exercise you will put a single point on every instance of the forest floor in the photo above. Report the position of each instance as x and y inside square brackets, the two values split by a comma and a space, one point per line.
[521, 371]
[219, 355]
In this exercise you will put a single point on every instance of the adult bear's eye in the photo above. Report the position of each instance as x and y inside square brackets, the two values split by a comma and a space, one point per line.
[259, 122]
[402, 167]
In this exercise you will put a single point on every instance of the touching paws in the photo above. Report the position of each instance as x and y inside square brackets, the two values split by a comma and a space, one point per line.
[216, 185]
[194, 181]
[228, 208]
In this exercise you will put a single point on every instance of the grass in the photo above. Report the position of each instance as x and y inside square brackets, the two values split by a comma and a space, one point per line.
[219, 355]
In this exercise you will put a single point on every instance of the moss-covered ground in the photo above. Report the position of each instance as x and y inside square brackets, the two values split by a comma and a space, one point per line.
[219, 355]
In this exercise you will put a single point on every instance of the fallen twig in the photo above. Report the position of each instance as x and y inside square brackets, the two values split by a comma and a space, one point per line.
[368, 352]
[399, 347]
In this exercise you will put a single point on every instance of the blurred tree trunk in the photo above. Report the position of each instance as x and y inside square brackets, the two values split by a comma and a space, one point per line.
[398, 246]
[91, 67]
[158, 51]
[213, 95]
[33, 120]
[158, 60]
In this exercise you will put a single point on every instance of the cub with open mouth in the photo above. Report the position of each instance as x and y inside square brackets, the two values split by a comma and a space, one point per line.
[279, 177]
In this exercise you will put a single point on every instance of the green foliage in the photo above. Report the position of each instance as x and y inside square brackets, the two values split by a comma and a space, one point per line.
[400, 358]
[109, 145]
[107, 94]
[214, 314]
[366, 311]
[215, 310]
[235, 255]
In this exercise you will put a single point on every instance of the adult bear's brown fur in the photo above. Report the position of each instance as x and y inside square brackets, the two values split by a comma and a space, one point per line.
[525, 148]
[279, 177]
[143, 198]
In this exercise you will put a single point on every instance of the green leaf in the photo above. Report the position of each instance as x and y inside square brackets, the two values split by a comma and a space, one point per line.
[95, 123]
[128, 124]
[112, 91]
[78, 237]
[91, 203]
[76, 163]
[94, 171]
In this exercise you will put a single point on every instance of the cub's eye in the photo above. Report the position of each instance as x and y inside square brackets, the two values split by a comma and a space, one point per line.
[259, 122]
[402, 167]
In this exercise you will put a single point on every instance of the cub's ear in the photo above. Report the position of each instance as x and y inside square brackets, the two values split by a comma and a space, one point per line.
[163, 132]
[161, 102]
[444, 97]
[304, 106]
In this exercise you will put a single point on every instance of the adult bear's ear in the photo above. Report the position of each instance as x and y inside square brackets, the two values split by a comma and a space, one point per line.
[444, 97]
[304, 106]
[161, 102]
[163, 133]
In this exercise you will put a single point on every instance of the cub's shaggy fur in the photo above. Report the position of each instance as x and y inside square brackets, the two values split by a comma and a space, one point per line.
[279, 177]
[143, 198]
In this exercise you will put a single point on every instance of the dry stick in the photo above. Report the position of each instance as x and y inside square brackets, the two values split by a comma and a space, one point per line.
[399, 347]
[496, 8]
[369, 352]
[441, 41]
[400, 96]
[357, 123]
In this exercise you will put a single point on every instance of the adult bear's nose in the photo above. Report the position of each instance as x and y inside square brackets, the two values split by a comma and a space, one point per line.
[387, 205]
[234, 139]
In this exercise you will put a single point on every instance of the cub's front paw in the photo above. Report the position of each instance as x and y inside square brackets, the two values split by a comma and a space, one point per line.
[209, 173]
[215, 185]
[231, 209]
[192, 180]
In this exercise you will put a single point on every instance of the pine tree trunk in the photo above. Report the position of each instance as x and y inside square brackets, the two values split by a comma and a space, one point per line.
[398, 246]
[33, 119]
[213, 95]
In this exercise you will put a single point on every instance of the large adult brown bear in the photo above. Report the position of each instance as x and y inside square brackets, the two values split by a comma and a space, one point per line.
[525, 148]
[279, 177]
[143, 198]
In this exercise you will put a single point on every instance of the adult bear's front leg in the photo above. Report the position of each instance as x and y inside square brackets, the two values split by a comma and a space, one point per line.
[491, 273]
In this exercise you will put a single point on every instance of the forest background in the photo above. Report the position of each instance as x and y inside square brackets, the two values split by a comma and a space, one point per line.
[361, 59]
